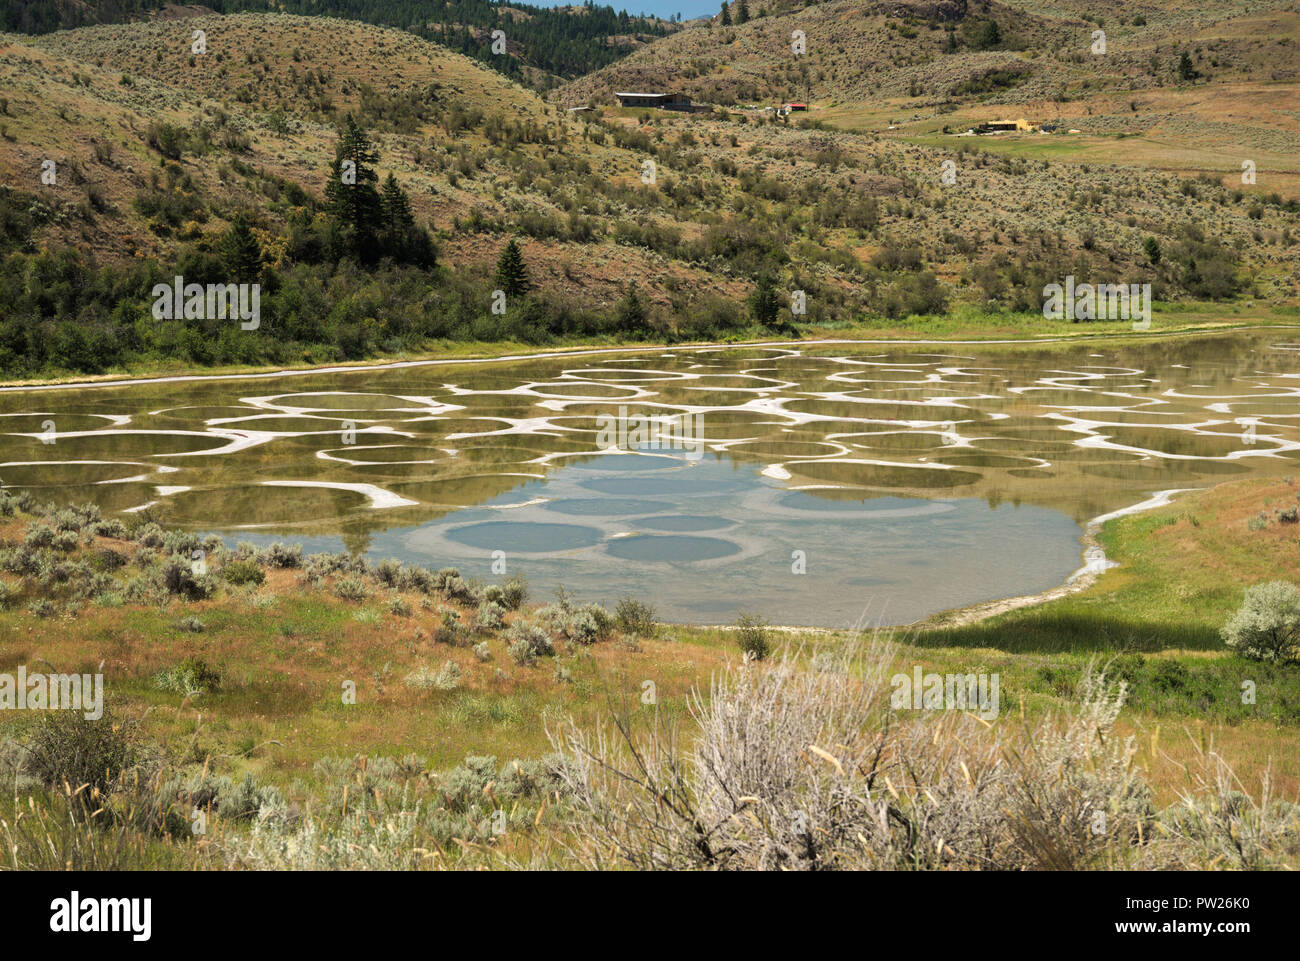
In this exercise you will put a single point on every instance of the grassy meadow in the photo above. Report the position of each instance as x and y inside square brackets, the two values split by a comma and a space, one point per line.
[248, 682]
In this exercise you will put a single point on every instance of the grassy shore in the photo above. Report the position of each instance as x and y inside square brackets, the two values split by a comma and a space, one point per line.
[967, 324]
[268, 663]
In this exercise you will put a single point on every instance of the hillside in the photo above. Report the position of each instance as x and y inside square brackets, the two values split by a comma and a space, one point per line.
[269, 275]
[541, 44]
[160, 152]
[950, 51]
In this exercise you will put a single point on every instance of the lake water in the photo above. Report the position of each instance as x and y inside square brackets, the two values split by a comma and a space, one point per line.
[826, 484]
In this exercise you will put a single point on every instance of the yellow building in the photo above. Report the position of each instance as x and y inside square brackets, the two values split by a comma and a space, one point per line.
[1009, 126]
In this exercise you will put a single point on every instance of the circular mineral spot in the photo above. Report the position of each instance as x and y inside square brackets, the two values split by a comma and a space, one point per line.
[524, 536]
[671, 548]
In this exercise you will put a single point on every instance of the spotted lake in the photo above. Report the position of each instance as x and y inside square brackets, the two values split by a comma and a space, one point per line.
[839, 483]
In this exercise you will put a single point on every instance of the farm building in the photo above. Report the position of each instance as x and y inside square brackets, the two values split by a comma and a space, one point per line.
[661, 101]
[1005, 126]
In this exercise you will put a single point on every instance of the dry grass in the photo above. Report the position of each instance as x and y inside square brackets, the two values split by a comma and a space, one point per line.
[800, 765]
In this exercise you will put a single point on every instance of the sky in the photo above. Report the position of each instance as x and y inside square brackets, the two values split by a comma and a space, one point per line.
[659, 8]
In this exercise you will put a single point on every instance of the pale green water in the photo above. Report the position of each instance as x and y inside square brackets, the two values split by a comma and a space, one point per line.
[912, 479]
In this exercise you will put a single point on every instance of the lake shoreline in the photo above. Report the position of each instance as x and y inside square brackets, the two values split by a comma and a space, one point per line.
[823, 338]
[1095, 564]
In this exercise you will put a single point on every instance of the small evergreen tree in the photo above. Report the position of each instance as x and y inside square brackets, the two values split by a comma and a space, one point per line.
[742, 12]
[631, 311]
[989, 35]
[1151, 247]
[726, 16]
[351, 193]
[396, 219]
[512, 272]
[1187, 71]
[241, 254]
[764, 303]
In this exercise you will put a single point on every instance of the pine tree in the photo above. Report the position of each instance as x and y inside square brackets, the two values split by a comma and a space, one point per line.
[726, 16]
[764, 303]
[397, 222]
[241, 254]
[1186, 70]
[742, 12]
[351, 192]
[631, 311]
[989, 35]
[512, 272]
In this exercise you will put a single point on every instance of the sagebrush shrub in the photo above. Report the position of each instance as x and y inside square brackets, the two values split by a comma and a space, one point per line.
[490, 616]
[178, 577]
[1267, 625]
[635, 617]
[67, 749]
[449, 630]
[446, 678]
[529, 642]
[352, 589]
[804, 765]
[284, 555]
[243, 572]
[751, 636]
[191, 676]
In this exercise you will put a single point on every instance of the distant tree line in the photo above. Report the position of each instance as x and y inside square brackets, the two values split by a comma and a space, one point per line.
[558, 43]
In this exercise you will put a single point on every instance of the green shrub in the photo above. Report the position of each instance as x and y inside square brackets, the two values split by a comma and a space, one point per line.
[178, 577]
[635, 617]
[527, 643]
[67, 749]
[513, 593]
[490, 616]
[450, 630]
[244, 572]
[190, 676]
[589, 624]
[447, 678]
[284, 555]
[454, 587]
[752, 637]
[352, 589]
[38, 536]
[1267, 625]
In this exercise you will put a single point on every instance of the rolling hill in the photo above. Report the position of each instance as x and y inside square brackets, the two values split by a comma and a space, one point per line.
[539, 45]
[160, 151]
